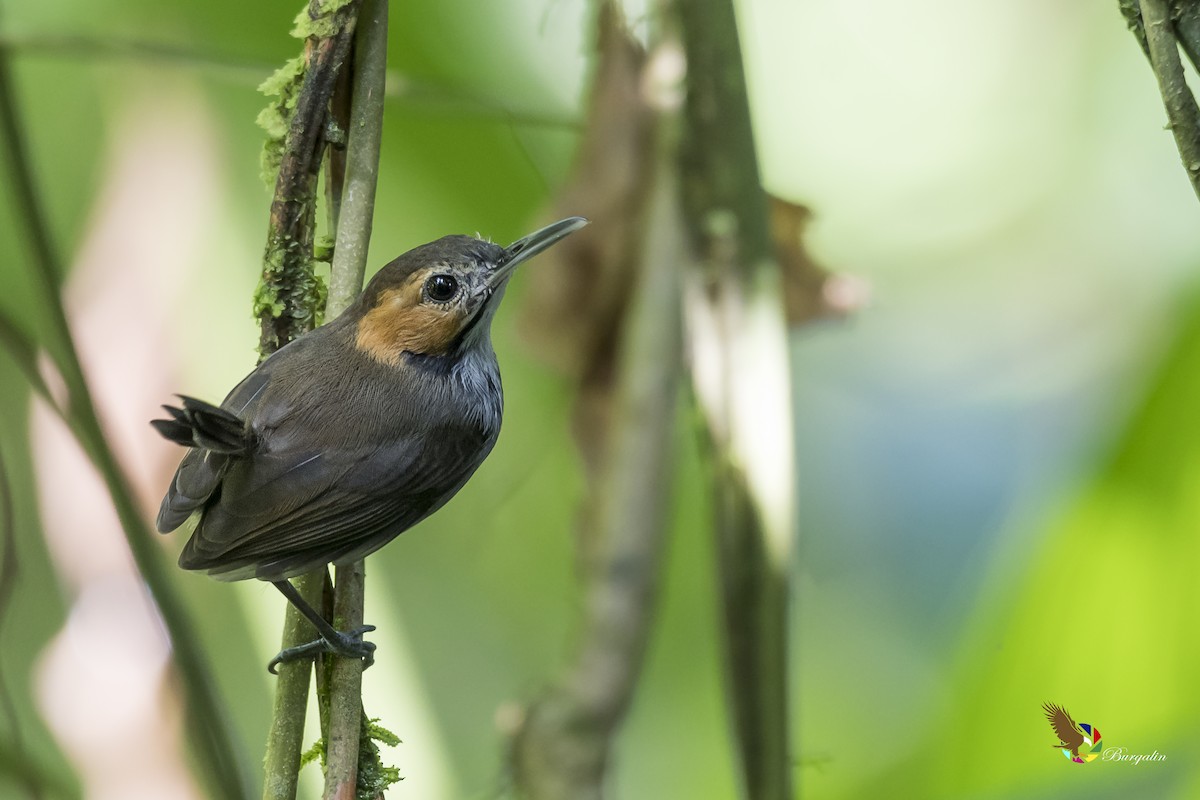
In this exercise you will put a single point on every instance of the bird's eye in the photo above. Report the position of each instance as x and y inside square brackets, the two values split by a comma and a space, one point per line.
[441, 288]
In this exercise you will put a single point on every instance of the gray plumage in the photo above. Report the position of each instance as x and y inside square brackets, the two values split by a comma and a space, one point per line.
[342, 440]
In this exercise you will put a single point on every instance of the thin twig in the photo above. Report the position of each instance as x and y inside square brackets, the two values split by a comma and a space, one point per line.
[222, 765]
[1182, 111]
[362, 158]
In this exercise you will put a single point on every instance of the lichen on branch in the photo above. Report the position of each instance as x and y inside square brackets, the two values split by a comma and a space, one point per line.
[283, 86]
[290, 298]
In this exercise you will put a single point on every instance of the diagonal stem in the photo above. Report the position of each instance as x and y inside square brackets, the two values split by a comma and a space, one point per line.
[1182, 111]
[222, 765]
[223, 768]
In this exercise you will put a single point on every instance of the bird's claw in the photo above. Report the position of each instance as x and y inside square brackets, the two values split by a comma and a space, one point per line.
[348, 644]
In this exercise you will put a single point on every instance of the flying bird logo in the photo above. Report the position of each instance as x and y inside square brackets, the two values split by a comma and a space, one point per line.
[1073, 738]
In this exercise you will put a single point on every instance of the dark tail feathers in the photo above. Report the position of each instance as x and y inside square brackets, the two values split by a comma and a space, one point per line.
[203, 425]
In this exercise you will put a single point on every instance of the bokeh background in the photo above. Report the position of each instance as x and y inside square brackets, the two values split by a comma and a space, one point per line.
[998, 455]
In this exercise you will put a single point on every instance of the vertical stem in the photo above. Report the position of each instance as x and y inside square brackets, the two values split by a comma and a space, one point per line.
[285, 741]
[345, 690]
[562, 750]
[362, 157]
[288, 269]
[287, 305]
[349, 266]
[742, 381]
[627, 358]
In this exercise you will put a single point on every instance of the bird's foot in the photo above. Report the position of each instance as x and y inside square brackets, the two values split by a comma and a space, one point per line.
[348, 644]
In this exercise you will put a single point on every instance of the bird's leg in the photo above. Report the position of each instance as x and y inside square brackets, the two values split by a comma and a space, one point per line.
[348, 644]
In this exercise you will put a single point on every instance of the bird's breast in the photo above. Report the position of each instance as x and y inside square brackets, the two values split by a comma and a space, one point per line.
[477, 391]
[338, 397]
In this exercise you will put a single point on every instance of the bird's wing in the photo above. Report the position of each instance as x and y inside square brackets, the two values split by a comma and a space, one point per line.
[1064, 727]
[212, 432]
[319, 483]
[198, 476]
[280, 514]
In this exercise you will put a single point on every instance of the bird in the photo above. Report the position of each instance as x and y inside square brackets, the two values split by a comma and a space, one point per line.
[353, 432]
[1069, 735]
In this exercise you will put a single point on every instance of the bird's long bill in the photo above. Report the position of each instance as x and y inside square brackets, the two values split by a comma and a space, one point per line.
[526, 248]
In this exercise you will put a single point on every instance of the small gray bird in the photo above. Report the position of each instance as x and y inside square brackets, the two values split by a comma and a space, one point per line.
[352, 433]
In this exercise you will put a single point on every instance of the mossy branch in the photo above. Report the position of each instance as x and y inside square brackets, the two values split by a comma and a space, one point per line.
[290, 299]
[352, 765]
[348, 739]
[288, 303]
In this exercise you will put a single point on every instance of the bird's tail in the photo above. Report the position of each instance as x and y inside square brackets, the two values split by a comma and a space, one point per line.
[205, 426]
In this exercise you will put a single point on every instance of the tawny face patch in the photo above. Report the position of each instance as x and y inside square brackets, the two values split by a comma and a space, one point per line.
[412, 318]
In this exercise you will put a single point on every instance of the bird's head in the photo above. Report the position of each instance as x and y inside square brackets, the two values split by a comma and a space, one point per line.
[438, 299]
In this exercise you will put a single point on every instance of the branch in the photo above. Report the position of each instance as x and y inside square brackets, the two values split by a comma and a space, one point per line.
[345, 691]
[740, 371]
[1181, 107]
[1187, 28]
[345, 749]
[1186, 17]
[625, 354]
[563, 746]
[289, 299]
[286, 306]
[285, 740]
[362, 158]
[222, 767]
[351, 219]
